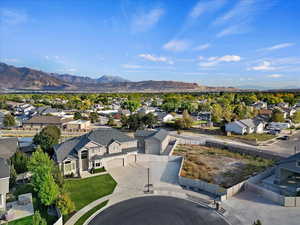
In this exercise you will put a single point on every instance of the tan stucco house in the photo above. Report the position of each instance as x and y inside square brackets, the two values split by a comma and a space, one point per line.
[103, 147]
[8, 147]
[153, 141]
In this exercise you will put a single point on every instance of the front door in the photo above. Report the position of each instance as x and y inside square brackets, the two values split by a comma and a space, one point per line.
[84, 160]
[85, 164]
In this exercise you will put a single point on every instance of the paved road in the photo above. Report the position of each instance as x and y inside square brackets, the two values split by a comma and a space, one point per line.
[157, 210]
[289, 145]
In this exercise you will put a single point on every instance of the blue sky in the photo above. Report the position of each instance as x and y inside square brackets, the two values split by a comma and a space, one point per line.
[211, 42]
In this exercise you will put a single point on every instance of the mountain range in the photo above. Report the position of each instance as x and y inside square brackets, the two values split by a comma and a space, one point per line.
[27, 79]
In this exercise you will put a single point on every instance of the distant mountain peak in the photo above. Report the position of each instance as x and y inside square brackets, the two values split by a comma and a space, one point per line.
[111, 79]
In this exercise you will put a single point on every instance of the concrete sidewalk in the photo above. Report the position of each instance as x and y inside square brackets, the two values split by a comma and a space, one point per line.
[85, 209]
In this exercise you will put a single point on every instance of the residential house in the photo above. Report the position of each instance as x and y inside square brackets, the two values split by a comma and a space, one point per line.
[205, 116]
[78, 125]
[153, 141]
[164, 117]
[146, 110]
[287, 173]
[103, 147]
[246, 126]
[278, 126]
[8, 147]
[125, 112]
[46, 111]
[265, 113]
[4, 184]
[283, 105]
[260, 105]
[38, 122]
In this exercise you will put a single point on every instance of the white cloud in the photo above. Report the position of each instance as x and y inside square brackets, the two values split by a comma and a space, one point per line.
[213, 61]
[226, 58]
[202, 47]
[146, 20]
[264, 66]
[208, 64]
[12, 17]
[279, 46]
[176, 45]
[234, 29]
[205, 6]
[131, 66]
[239, 18]
[275, 75]
[153, 58]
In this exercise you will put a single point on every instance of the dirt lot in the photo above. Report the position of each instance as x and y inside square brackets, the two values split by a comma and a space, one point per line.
[219, 166]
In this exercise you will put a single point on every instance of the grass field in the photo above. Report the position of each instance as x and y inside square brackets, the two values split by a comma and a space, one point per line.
[219, 166]
[85, 191]
[23, 221]
[90, 213]
[252, 137]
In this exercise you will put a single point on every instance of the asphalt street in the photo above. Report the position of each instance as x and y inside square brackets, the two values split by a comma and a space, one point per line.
[157, 210]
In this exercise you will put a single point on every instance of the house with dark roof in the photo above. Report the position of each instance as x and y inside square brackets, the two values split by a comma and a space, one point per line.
[103, 147]
[246, 126]
[152, 141]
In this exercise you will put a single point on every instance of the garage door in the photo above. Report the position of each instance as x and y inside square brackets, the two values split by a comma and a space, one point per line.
[130, 158]
[114, 163]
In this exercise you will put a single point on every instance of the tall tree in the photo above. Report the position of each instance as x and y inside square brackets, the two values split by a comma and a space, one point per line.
[217, 113]
[43, 182]
[47, 138]
[131, 105]
[277, 116]
[9, 120]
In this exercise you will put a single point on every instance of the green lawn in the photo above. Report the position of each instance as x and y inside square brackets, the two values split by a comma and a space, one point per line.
[90, 213]
[253, 137]
[24, 221]
[85, 191]
[250, 137]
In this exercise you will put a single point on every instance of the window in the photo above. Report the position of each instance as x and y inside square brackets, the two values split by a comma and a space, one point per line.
[98, 164]
[298, 163]
[67, 162]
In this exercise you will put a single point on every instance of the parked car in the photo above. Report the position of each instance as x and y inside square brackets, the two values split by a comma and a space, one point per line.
[284, 138]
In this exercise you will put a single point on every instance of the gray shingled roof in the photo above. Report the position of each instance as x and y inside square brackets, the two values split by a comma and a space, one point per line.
[4, 168]
[102, 136]
[160, 134]
[8, 147]
[144, 133]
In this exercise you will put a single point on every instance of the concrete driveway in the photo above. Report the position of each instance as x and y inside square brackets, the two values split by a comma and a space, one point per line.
[248, 207]
[134, 177]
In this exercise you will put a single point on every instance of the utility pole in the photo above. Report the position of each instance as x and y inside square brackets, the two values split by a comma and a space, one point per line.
[148, 169]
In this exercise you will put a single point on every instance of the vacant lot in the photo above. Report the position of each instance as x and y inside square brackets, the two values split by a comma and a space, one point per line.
[219, 166]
